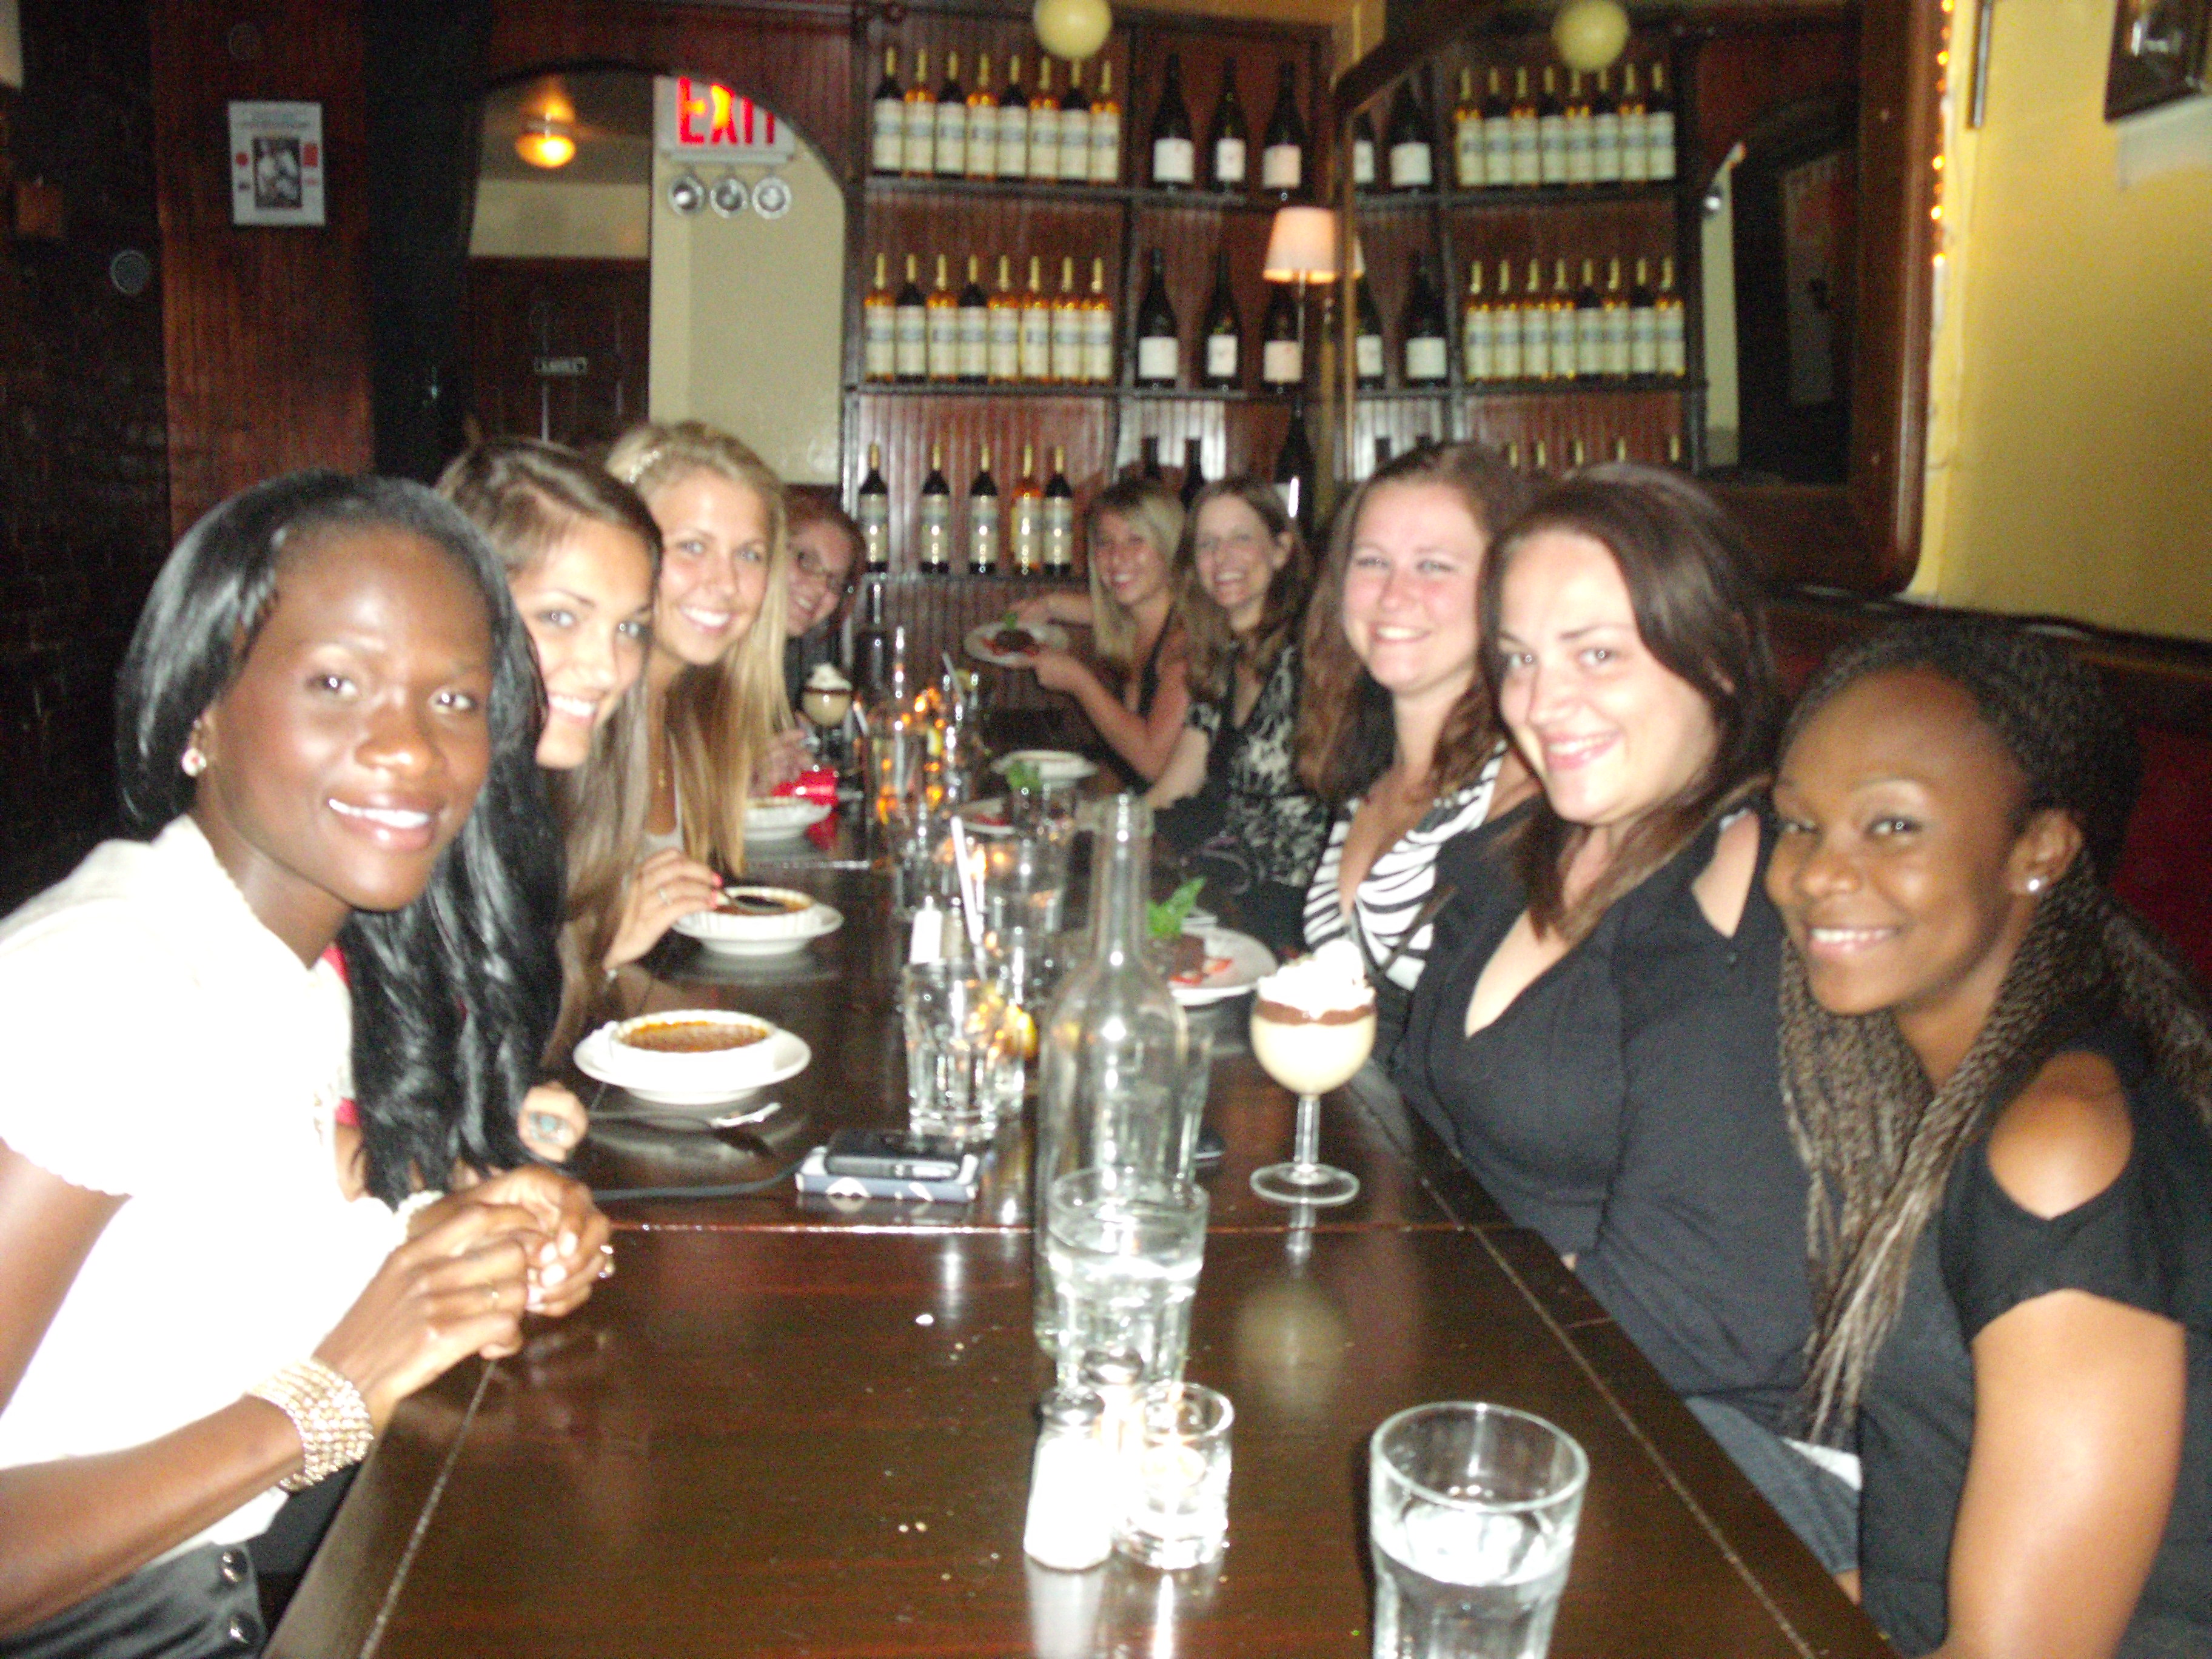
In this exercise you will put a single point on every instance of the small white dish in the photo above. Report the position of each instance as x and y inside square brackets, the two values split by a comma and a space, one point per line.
[1053, 765]
[784, 817]
[1050, 636]
[1248, 962]
[694, 1081]
[735, 933]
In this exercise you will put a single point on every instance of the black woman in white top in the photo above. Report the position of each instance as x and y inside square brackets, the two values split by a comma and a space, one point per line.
[1396, 731]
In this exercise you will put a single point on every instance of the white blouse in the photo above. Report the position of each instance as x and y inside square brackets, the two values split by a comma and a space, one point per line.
[163, 1045]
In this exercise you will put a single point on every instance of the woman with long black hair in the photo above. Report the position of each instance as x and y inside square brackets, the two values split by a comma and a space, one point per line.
[2001, 1082]
[326, 723]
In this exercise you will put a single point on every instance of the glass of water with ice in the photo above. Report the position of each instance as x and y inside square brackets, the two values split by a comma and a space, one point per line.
[1124, 1251]
[1472, 1511]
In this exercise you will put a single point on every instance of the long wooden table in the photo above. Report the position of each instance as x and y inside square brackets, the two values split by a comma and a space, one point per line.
[786, 1429]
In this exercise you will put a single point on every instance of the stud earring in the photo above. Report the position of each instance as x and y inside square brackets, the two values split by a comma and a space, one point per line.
[193, 762]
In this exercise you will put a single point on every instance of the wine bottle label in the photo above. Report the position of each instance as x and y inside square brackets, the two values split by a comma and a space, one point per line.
[1174, 160]
[1367, 357]
[1155, 358]
[1643, 340]
[944, 342]
[1563, 343]
[1037, 343]
[1221, 356]
[1476, 344]
[1412, 168]
[1581, 163]
[1605, 149]
[920, 137]
[1671, 354]
[1425, 358]
[974, 344]
[1589, 342]
[1467, 153]
[1006, 350]
[936, 531]
[1028, 533]
[1635, 149]
[1105, 147]
[1528, 165]
[1659, 144]
[982, 143]
[888, 152]
[1098, 346]
[911, 342]
[1044, 143]
[1059, 533]
[1551, 150]
[983, 534]
[1363, 161]
[1282, 167]
[880, 344]
[1614, 330]
[1282, 363]
[1496, 151]
[1066, 345]
[1505, 346]
[875, 516]
[1014, 141]
[1229, 161]
[952, 139]
[1537, 344]
[1075, 146]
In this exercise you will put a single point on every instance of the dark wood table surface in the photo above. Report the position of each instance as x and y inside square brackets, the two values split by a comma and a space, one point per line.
[781, 1431]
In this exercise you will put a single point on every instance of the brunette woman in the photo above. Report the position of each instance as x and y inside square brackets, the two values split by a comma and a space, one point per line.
[1133, 529]
[1396, 728]
[2002, 1083]
[825, 561]
[326, 721]
[718, 729]
[1244, 823]
[1595, 1033]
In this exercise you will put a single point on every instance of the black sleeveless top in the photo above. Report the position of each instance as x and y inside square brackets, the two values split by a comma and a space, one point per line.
[2145, 1241]
[1627, 1106]
[1148, 692]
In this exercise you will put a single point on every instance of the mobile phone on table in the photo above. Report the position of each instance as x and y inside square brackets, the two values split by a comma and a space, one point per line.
[891, 1154]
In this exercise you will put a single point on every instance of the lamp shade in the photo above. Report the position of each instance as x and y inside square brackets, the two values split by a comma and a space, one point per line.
[1590, 33]
[1302, 243]
[1073, 30]
[544, 142]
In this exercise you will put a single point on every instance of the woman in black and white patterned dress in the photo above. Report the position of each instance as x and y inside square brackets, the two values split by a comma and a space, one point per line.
[1397, 731]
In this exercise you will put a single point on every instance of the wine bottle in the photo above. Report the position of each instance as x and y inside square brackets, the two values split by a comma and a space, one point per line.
[1148, 460]
[887, 118]
[1223, 346]
[1614, 357]
[1058, 518]
[1466, 135]
[1535, 312]
[1098, 330]
[879, 329]
[1669, 307]
[873, 508]
[1037, 328]
[982, 125]
[1226, 134]
[1635, 131]
[1282, 350]
[1560, 306]
[1283, 161]
[1478, 355]
[1075, 130]
[1067, 326]
[1413, 164]
[1551, 133]
[1362, 151]
[1659, 128]
[1673, 449]
[1159, 349]
[1620, 449]
[910, 326]
[1294, 468]
[1528, 164]
[1367, 336]
[1643, 324]
[1382, 455]
[920, 156]
[1425, 330]
[1590, 325]
[1105, 130]
[1505, 328]
[1578, 455]
[943, 323]
[1193, 471]
[1005, 325]
[1580, 160]
[1541, 462]
[974, 327]
[871, 645]
[952, 122]
[983, 527]
[1513, 454]
[936, 559]
[1173, 153]
[1028, 518]
[1014, 125]
[1605, 134]
[1044, 125]
[1497, 133]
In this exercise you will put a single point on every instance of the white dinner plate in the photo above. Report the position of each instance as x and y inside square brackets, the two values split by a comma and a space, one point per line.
[791, 935]
[786, 818]
[786, 1056]
[1050, 636]
[1053, 765]
[1248, 962]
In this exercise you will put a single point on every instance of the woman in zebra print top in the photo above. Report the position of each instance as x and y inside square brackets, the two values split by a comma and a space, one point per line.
[1396, 730]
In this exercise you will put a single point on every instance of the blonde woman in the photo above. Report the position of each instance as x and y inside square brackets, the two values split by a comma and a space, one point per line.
[1133, 529]
[718, 730]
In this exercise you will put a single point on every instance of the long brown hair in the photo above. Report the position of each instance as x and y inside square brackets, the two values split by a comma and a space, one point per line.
[1689, 575]
[525, 496]
[1881, 1142]
[1346, 735]
[1214, 649]
[1152, 510]
[721, 718]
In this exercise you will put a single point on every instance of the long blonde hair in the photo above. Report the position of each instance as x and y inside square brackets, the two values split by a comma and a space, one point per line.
[722, 718]
[1152, 509]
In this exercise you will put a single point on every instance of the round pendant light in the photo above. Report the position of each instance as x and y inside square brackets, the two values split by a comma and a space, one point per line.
[1073, 30]
[1590, 33]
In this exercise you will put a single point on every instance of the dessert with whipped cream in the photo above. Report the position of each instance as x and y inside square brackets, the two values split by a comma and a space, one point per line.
[1313, 1020]
[827, 697]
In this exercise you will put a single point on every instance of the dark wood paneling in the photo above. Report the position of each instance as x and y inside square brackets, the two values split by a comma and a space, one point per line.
[1644, 420]
[1236, 437]
[1390, 240]
[1640, 228]
[1001, 37]
[516, 311]
[926, 224]
[1204, 52]
[1747, 66]
[265, 328]
[1188, 237]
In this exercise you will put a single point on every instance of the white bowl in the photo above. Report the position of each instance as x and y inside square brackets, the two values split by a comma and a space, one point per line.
[734, 934]
[786, 818]
[1053, 765]
[691, 1079]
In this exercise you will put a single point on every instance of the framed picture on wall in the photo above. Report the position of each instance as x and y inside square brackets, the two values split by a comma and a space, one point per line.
[2158, 54]
[275, 164]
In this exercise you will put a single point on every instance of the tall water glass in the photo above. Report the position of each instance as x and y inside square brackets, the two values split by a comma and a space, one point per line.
[1472, 1511]
[1125, 1253]
[1026, 881]
[958, 1051]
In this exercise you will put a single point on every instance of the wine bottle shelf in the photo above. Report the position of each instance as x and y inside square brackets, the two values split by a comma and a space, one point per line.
[1071, 195]
[1518, 198]
[1580, 387]
[968, 389]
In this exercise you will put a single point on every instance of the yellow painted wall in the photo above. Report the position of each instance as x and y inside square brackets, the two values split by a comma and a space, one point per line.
[2070, 440]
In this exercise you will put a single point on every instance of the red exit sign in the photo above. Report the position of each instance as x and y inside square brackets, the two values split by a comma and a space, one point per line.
[704, 121]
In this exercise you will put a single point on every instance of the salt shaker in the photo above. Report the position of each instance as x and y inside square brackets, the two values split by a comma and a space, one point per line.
[1068, 1527]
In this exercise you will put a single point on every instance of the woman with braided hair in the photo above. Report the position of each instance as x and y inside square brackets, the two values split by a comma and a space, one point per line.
[2002, 1082]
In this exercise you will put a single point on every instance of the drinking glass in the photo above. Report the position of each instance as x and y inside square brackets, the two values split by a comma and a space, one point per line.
[1124, 1252]
[1309, 1057]
[1472, 1511]
[957, 1051]
[1025, 880]
[1175, 1476]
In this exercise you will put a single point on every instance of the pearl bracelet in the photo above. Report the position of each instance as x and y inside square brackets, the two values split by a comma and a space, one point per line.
[329, 1414]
